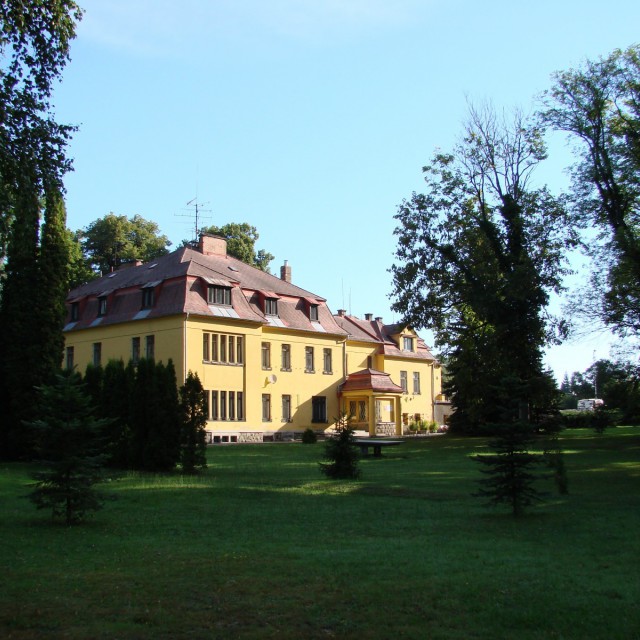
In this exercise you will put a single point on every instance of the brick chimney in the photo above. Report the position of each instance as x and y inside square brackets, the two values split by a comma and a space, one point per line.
[342, 313]
[368, 316]
[285, 272]
[210, 245]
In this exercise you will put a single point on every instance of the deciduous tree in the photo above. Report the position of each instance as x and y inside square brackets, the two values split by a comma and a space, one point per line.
[478, 255]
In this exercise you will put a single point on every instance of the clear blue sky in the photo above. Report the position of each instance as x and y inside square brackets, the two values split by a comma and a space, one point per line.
[309, 119]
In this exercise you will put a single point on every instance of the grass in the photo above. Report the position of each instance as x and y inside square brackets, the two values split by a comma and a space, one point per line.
[263, 546]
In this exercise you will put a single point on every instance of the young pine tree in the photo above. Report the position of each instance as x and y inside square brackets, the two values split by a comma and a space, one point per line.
[194, 418]
[69, 442]
[341, 452]
[509, 469]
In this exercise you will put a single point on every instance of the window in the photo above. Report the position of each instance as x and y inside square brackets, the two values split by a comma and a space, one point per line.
[271, 306]
[362, 411]
[135, 350]
[319, 409]
[313, 312]
[232, 405]
[206, 342]
[150, 347]
[102, 306]
[286, 408]
[97, 354]
[240, 405]
[403, 382]
[286, 357]
[75, 311]
[205, 404]
[223, 405]
[220, 347]
[407, 344]
[416, 382]
[352, 409]
[326, 360]
[219, 295]
[148, 297]
[69, 358]
[308, 360]
[266, 355]
[214, 405]
[266, 407]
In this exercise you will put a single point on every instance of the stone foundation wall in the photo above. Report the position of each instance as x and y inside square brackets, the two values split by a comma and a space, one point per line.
[386, 429]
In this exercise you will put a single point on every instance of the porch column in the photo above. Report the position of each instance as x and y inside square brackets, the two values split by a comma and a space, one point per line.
[398, 416]
[372, 415]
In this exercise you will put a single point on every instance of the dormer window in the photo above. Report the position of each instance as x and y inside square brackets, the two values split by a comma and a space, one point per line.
[271, 306]
[102, 305]
[313, 312]
[148, 297]
[75, 311]
[219, 295]
[408, 344]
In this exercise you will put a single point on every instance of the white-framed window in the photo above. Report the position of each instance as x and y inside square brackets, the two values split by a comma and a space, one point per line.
[408, 344]
[266, 355]
[135, 349]
[148, 297]
[286, 408]
[219, 295]
[150, 347]
[285, 364]
[327, 364]
[416, 383]
[404, 383]
[270, 306]
[222, 348]
[313, 312]
[266, 407]
[102, 306]
[309, 365]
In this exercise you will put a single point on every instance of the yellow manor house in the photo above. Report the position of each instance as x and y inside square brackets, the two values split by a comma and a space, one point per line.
[271, 357]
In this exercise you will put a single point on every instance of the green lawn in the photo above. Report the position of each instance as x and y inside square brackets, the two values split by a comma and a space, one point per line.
[263, 546]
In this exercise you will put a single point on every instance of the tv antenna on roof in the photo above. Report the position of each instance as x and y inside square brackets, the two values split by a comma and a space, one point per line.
[195, 212]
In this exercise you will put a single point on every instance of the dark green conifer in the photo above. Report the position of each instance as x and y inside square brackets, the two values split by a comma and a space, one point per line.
[194, 419]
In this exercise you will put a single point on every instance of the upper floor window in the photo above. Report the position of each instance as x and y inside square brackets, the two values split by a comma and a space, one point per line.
[148, 297]
[219, 295]
[327, 361]
[271, 306]
[407, 344]
[220, 347]
[102, 306]
[403, 382]
[416, 382]
[266, 355]
[286, 357]
[313, 312]
[75, 311]
[309, 360]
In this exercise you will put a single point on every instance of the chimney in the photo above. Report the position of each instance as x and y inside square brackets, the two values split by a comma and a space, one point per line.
[212, 245]
[342, 313]
[379, 319]
[285, 272]
[368, 316]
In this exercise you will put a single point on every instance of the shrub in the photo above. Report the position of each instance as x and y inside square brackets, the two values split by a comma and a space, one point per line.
[309, 436]
[341, 452]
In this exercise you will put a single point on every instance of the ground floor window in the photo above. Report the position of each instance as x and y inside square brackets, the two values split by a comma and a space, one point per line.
[225, 405]
[266, 407]
[319, 409]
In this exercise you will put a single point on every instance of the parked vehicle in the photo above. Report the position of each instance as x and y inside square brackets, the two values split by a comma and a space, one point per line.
[589, 404]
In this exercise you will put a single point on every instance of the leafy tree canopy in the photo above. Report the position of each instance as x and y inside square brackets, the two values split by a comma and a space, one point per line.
[241, 241]
[111, 240]
[478, 254]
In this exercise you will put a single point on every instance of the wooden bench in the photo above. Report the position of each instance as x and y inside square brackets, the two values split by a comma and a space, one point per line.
[377, 445]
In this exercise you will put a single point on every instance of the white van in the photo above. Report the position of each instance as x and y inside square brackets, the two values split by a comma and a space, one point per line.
[590, 404]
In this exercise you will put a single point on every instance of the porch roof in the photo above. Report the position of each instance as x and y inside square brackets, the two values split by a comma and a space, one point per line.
[370, 380]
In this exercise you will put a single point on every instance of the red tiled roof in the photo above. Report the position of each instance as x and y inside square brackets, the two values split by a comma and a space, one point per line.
[181, 279]
[370, 380]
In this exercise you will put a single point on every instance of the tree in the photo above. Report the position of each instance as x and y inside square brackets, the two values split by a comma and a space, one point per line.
[112, 240]
[34, 48]
[69, 441]
[509, 468]
[341, 452]
[598, 105]
[192, 429]
[241, 240]
[478, 255]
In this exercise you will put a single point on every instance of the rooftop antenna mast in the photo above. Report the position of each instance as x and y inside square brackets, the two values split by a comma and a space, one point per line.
[195, 212]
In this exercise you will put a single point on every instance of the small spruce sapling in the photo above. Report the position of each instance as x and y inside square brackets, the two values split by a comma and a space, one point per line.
[69, 441]
[509, 468]
[341, 452]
